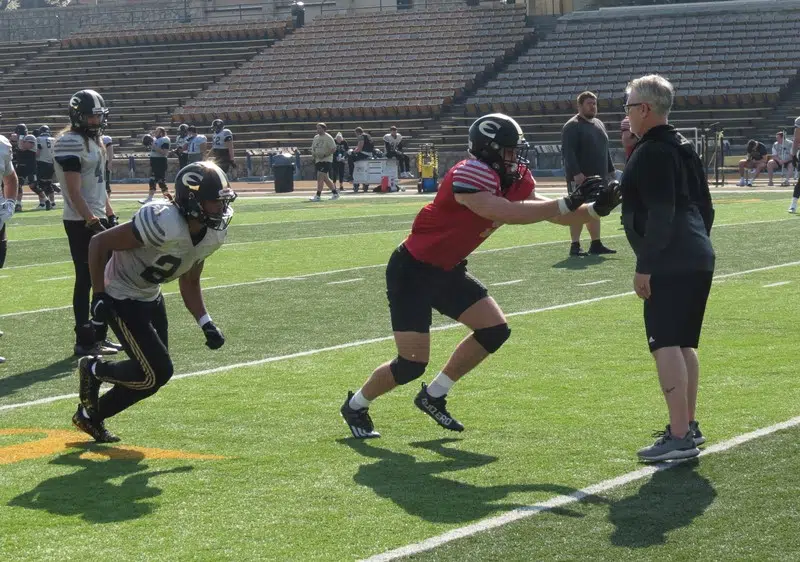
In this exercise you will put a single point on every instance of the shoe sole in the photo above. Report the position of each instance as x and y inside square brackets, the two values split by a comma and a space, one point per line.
[673, 455]
[699, 441]
[79, 426]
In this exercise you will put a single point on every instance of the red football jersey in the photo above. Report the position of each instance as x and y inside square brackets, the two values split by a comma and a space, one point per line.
[445, 232]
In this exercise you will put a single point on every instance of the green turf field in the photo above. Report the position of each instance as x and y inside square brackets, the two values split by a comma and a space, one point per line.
[248, 459]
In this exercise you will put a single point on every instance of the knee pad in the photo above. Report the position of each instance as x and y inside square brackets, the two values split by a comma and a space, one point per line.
[152, 184]
[405, 371]
[493, 337]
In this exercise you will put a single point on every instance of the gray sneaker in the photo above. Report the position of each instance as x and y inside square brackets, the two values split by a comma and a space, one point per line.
[668, 447]
[699, 438]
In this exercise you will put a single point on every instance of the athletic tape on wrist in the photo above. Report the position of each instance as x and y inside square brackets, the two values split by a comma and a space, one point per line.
[204, 319]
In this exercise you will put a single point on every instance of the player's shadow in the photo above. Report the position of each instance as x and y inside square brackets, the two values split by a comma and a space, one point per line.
[417, 487]
[58, 370]
[100, 491]
[671, 499]
[576, 263]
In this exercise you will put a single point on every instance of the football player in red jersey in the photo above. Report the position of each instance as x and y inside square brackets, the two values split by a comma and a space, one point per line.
[428, 270]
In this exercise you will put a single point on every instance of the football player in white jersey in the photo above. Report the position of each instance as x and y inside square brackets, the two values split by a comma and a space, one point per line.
[159, 150]
[79, 164]
[44, 166]
[796, 152]
[108, 144]
[222, 144]
[197, 145]
[182, 145]
[7, 198]
[165, 240]
[26, 167]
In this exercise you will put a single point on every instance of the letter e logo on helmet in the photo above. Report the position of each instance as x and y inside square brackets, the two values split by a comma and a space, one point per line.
[192, 180]
[489, 128]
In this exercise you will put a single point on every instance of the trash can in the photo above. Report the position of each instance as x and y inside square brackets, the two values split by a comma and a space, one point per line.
[283, 172]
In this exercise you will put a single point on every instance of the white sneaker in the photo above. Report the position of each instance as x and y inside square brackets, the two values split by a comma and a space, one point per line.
[145, 201]
[785, 183]
[749, 183]
[335, 196]
[315, 199]
[792, 209]
[741, 182]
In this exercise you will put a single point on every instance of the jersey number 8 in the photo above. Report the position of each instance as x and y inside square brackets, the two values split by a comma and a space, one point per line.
[156, 275]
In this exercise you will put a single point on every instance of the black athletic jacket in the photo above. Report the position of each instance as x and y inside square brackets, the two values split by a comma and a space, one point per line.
[666, 206]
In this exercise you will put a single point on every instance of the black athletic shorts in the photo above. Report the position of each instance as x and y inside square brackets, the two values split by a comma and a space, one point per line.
[324, 167]
[183, 160]
[673, 315]
[45, 170]
[26, 174]
[158, 167]
[415, 288]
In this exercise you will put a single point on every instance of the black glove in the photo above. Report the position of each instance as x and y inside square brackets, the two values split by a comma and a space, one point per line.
[95, 225]
[587, 191]
[102, 307]
[113, 220]
[214, 337]
[608, 198]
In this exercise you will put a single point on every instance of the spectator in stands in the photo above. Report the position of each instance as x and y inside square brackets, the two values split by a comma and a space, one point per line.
[628, 138]
[339, 159]
[362, 151]
[322, 148]
[393, 142]
[584, 145]
[197, 145]
[781, 159]
[756, 160]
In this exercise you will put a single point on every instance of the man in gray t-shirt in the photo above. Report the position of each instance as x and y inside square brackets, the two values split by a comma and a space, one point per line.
[584, 147]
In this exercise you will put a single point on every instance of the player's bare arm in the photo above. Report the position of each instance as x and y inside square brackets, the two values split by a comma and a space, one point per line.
[119, 238]
[191, 292]
[10, 185]
[499, 209]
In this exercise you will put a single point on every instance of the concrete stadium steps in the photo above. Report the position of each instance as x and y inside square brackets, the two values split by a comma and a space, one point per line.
[141, 84]
[16, 54]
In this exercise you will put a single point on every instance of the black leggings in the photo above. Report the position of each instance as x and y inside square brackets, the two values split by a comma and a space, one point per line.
[337, 172]
[3, 246]
[403, 162]
[79, 237]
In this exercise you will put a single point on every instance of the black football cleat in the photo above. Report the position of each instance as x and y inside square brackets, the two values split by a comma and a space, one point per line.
[88, 384]
[596, 248]
[358, 421]
[437, 409]
[576, 250]
[96, 429]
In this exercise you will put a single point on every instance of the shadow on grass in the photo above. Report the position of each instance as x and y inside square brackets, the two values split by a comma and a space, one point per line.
[89, 491]
[58, 370]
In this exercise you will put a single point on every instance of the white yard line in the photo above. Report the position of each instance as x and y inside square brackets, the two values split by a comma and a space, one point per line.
[778, 284]
[345, 281]
[560, 501]
[502, 283]
[56, 278]
[594, 283]
[388, 338]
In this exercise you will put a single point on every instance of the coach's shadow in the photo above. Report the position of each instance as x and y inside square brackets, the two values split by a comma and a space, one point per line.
[416, 487]
[90, 493]
[671, 499]
[58, 370]
[577, 263]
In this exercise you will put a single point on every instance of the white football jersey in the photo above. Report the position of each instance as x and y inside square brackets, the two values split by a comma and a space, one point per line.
[45, 144]
[392, 141]
[797, 122]
[6, 155]
[107, 140]
[168, 253]
[162, 142]
[221, 138]
[196, 142]
[92, 166]
[182, 143]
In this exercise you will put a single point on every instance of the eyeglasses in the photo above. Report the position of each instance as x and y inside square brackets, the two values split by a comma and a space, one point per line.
[627, 107]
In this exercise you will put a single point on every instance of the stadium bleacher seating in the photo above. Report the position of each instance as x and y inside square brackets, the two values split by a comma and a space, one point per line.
[15, 54]
[423, 68]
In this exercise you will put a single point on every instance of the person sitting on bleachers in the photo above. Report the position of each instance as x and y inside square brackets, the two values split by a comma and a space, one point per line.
[781, 159]
[393, 141]
[362, 151]
[756, 160]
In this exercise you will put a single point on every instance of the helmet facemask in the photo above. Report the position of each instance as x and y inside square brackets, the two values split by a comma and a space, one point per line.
[218, 220]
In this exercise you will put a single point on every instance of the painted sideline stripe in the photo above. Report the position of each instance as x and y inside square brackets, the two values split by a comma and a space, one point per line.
[502, 283]
[594, 283]
[345, 281]
[560, 501]
[778, 284]
[359, 343]
[56, 278]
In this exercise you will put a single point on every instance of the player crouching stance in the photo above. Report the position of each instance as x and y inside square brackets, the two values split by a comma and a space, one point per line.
[428, 270]
[165, 240]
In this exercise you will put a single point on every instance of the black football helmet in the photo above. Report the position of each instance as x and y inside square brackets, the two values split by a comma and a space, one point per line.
[147, 141]
[183, 129]
[490, 136]
[204, 181]
[21, 129]
[84, 104]
[44, 130]
[217, 125]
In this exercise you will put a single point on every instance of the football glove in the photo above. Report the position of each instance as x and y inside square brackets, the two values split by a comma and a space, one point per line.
[214, 337]
[102, 306]
[587, 191]
[607, 199]
[6, 211]
[113, 220]
[95, 225]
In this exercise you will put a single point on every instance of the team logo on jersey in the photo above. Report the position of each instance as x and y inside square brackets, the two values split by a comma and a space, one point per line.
[489, 128]
[192, 180]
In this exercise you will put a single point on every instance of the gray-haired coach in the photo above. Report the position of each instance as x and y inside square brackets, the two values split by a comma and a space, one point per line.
[667, 213]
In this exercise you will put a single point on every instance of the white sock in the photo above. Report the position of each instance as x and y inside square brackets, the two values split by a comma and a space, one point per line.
[358, 402]
[440, 385]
